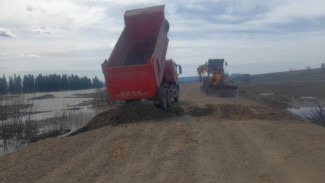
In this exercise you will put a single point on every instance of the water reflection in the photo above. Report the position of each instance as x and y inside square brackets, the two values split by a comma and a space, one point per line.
[54, 115]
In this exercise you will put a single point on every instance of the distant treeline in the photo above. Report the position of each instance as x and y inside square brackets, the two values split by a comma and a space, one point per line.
[42, 83]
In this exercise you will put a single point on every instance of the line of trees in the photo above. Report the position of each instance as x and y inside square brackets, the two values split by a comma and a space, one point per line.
[41, 83]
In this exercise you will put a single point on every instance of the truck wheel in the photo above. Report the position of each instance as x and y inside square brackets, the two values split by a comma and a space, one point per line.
[163, 100]
[206, 90]
[169, 98]
[177, 95]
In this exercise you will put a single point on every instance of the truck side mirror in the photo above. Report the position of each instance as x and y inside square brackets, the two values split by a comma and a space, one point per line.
[180, 69]
[226, 63]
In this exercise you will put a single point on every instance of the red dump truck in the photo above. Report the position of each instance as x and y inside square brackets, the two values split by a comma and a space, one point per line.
[137, 67]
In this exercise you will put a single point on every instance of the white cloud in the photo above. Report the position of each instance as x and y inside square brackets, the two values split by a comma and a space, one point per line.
[28, 56]
[253, 54]
[228, 17]
[42, 30]
[66, 14]
[80, 34]
[196, 6]
[6, 33]
[112, 45]
[291, 11]
[34, 56]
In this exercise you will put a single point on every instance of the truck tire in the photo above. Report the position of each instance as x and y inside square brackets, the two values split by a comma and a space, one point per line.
[206, 90]
[163, 100]
[169, 98]
[177, 95]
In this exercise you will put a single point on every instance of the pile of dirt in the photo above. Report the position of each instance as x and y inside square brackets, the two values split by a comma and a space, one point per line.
[201, 111]
[128, 113]
[46, 96]
[50, 134]
[138, 111]
[241, 112]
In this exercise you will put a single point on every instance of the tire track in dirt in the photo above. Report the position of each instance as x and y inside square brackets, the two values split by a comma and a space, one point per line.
[283, 151]
[85, 163]
[229, 157]
[158, 155]
[254, 151]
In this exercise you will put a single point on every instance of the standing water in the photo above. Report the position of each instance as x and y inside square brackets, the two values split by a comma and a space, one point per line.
[54, 113]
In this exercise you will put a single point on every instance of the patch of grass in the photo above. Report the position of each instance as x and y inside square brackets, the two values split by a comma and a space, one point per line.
[317, 114]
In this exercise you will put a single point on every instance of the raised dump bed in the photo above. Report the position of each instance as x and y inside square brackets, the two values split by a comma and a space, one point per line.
[136, 66]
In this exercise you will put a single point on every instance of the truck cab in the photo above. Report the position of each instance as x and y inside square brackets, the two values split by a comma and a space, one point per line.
[216, 64]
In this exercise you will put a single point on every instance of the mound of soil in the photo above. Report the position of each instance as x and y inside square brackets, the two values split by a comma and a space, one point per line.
[46, 96]
[138, 111]
[201, 111]
[50, 134]
[128, 113]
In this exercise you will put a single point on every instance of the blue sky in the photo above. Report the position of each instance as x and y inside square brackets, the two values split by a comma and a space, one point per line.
[75, 36]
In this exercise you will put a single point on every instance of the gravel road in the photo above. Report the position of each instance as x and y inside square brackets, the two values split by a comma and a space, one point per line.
[180, 149]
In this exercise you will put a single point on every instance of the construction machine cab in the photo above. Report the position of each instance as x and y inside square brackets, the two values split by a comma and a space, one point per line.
[216, 64]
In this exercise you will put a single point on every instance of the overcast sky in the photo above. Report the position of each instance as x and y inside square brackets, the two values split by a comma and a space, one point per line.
[75, 36]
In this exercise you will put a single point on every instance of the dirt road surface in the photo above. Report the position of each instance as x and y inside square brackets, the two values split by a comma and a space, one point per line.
[180, 149]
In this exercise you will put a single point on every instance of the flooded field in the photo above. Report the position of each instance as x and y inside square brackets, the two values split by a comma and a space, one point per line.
[304, 112]
[304, 99]
[30, 117]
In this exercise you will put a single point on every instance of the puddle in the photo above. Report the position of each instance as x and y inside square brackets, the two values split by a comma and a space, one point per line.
[308, 97]
[304, 112]
[306, 106]
[266, 94]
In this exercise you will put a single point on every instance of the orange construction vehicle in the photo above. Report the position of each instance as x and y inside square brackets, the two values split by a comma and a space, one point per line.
[215, 81]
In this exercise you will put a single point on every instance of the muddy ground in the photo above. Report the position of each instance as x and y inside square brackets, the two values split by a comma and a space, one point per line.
[213, 140]
[284, 95]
